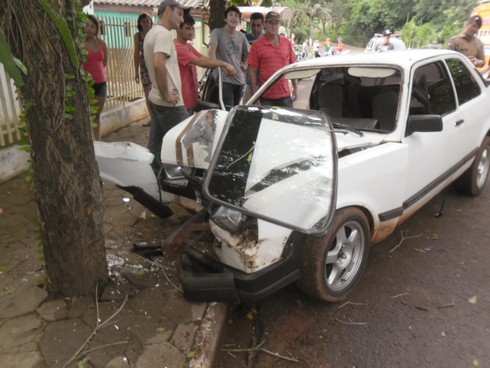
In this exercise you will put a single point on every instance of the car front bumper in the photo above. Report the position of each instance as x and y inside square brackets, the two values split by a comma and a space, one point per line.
[207, 280]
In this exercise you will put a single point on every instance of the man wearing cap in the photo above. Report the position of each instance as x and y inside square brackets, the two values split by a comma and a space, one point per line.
[166, 101]
[468, 44]
[267, 55]
[229, 45]
[386, 45]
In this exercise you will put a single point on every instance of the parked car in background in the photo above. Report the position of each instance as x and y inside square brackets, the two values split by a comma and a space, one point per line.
[300, 194]
[395, 39]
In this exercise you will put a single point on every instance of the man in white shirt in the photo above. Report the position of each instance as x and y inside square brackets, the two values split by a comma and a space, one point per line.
[166, 101]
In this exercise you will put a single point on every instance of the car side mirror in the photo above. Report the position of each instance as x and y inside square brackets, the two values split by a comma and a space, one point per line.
[424, 123]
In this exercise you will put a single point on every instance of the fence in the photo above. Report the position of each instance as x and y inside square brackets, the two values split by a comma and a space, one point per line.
[10, 110]
[122, 88]
[118, 33]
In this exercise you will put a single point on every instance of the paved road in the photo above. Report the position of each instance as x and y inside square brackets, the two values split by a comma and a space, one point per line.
[424, 304]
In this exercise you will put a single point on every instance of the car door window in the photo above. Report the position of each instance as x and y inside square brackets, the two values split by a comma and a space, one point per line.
[432, 92]
[466, 86]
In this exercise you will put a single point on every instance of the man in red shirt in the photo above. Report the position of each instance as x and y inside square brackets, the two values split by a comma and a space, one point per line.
[188, 58]
[267, 55]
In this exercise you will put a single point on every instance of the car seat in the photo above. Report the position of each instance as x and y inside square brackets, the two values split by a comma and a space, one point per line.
[384, 109]
[330, 99]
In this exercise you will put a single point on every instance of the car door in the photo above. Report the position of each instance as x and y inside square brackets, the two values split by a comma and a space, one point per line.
[432, 156]
[471, 99]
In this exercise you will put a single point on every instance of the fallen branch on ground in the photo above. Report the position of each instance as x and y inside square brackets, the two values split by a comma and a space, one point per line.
[403, 238]
[398, 295]
[259, 348]
[352, 323]
[98, 325]
[347, 303]
[163, 269]
[446, 305]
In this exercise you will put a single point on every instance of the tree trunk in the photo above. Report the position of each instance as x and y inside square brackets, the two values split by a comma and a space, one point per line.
[217, 11]
[65, 174]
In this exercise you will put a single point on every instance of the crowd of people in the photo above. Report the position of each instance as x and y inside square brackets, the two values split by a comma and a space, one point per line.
[166, 67]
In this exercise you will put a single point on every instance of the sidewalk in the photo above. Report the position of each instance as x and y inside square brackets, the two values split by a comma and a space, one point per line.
[154, 327]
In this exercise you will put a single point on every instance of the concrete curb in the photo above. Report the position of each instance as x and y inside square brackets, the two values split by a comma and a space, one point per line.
[13, 161]
[208, 336]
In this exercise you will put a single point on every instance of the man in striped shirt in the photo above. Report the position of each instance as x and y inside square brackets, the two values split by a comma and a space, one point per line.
[267, 55]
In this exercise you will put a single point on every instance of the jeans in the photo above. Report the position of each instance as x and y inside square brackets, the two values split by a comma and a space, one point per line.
[283, 102]
[232, 94]
[163, 118]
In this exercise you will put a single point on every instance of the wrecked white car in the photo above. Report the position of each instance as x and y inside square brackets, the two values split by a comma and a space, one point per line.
[299, 194]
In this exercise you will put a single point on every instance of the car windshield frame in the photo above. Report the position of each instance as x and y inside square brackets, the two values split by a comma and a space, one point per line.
[269, 159]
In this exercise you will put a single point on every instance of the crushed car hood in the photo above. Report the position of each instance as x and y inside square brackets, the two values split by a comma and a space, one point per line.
[193, 141]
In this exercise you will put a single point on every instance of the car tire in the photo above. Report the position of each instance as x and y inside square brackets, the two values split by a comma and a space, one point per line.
[331, 264]
[473, 180]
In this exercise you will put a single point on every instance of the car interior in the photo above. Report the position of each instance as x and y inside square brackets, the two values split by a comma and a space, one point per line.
[360, 98]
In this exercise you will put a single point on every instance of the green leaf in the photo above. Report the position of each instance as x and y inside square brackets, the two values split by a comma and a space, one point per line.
[9, 292]
[26, 148]
[20, 65]
[69, 108]
[68, 117]
[64, 31]
[8, 61]
[70, 76]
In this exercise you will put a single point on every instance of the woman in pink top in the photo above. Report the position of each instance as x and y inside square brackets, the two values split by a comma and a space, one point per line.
[95, 65]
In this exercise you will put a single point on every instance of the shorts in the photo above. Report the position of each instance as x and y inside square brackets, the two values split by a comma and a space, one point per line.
[100, 89]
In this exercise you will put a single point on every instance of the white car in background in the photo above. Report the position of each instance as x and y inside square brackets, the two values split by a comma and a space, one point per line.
[299, 194]
[377, 39]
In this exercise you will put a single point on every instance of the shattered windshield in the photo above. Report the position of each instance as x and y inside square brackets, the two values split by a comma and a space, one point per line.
[277, 164]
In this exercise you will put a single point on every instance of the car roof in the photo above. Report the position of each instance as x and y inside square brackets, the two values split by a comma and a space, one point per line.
[401, 58]
[380, 35]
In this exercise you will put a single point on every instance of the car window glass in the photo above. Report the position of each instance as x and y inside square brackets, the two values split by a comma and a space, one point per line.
[466, 85]
[360, 100]
[432, 92]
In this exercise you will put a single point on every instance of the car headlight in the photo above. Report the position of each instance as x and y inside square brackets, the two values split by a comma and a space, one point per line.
[235, 222]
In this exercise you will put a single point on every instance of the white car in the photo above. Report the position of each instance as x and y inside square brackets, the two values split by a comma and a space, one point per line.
[377, 39]
[299, 194]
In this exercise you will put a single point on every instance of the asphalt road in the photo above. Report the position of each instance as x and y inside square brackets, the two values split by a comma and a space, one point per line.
[423, 301]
